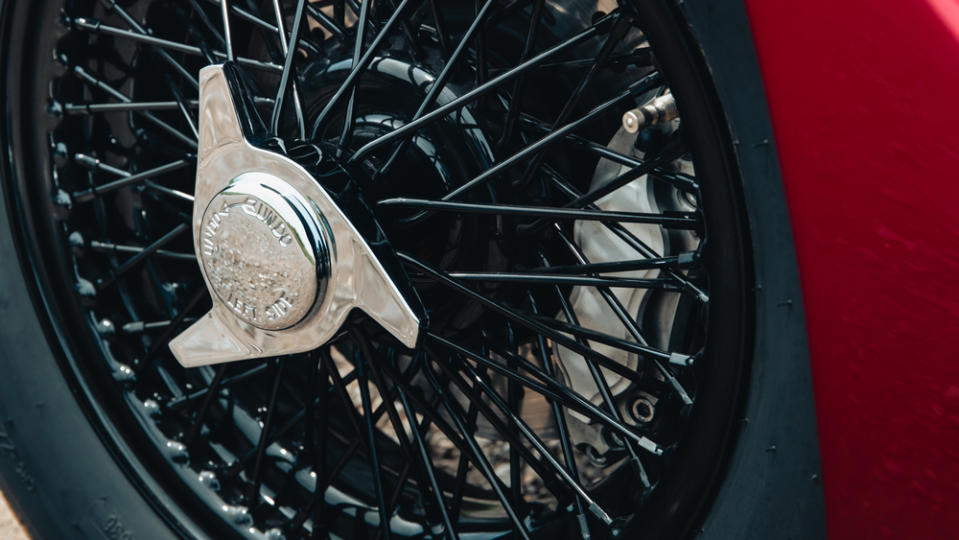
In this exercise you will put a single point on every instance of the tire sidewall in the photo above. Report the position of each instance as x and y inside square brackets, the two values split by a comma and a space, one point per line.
[56, 469]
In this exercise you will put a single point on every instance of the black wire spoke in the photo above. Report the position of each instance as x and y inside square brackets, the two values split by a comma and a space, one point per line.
[516, 447]
[408, 130]
[439, 25]
[94, 82]
[621, 313]
[175, 326]
[200, 414]
[375, 466]
[360, 64]
[680, 181]
[184, 108]
[537, 443]
[540, 145]
[227, 31]
[409, 34]
[513, 390]
[96, 27]
[588, 200]
[673, 220]
[138, 327]
[641, 56]
[621, 232]
[682, 261]
[127, 177]
[141, 256]
[205, 393]
[414, 404]
[612, 185]
[525, 320]
[111, 5]
[602, 283]
[339, 387]
[620, 26]
[549, 388]
[339, 12]
[482, 69]
[317, 442]
[519, 86]
[561, 425]
[359, 42]
[479, 459]
[328, 23]
[100, 108]
[427, 475]
[260, 23]
[94, 108]
[115, 249]
[207, 22]
[265, 432]
[288, 50]
[440, 82]
[462, 468]
[603, 386]
[583, 332]
[317, 505]
[422, 452]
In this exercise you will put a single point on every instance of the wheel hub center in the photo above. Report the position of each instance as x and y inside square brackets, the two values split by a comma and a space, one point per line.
[266, 234]
[264, 251]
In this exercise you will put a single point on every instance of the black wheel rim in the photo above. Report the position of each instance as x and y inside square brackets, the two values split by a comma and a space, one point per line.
[250, 442]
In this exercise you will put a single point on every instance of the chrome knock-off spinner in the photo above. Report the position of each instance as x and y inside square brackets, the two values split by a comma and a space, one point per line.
[283, 263]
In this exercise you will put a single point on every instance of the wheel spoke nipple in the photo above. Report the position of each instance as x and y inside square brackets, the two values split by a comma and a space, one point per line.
[683, 360]
[600, 513]
[63, 202]
[583, 527]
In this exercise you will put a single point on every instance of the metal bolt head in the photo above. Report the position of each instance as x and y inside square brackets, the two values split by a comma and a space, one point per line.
[633, 120]
[642, 410]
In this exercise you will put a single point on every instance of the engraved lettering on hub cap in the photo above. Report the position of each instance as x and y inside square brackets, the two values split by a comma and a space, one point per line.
[262, 253]
[264, 213]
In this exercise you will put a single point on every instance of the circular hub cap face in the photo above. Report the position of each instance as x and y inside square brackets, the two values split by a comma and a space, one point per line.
[262, 251]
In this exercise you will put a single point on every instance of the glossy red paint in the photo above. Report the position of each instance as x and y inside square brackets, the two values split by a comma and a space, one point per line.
[864, 98]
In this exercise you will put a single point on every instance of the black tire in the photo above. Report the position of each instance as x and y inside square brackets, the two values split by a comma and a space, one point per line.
[67, 476]
[57, 474]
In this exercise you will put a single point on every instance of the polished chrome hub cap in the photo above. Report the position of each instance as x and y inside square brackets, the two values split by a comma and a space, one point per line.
[263, 249]
[284, 264]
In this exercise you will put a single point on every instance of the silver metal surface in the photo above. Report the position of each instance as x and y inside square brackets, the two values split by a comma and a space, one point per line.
[659, 110]
[264, 252]
[600, 245]
[282, 286]
[653, 311]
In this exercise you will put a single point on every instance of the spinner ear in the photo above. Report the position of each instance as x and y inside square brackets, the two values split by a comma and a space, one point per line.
[246, 264]
[378, 297]
[209, 341]
[219, 122]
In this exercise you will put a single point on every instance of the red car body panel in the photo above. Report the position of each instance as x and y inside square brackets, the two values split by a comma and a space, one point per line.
[864, 99]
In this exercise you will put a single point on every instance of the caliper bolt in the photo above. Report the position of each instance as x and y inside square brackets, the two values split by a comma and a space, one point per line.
[642, 410]
[595, 457]
[658, 111]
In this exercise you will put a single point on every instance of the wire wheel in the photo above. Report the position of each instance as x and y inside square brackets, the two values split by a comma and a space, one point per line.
[581, 284]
